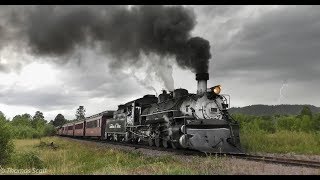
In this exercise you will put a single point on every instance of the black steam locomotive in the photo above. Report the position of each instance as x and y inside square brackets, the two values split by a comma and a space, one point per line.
[176, 119]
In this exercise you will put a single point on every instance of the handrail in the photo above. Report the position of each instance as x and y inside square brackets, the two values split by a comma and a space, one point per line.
[229, 101]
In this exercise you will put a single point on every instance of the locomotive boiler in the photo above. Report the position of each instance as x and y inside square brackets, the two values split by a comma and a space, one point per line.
[178, 119]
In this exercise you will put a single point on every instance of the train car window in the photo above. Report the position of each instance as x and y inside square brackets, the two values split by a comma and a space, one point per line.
[79, 126]
[89, 124]
[70, 127]
[92, 124]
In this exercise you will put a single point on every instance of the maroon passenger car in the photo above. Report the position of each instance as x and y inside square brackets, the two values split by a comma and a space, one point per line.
[79, 129]
[95, 125]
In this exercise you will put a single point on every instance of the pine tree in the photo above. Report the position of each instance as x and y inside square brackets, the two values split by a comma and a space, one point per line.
[59, 120]
[306, 111]
[80, 114]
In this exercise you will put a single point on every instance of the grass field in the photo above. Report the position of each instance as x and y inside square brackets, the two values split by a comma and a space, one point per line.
[72, 157]
[35, 156]
[281, 142]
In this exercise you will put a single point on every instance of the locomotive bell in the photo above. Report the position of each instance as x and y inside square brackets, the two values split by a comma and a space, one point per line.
[202, 82]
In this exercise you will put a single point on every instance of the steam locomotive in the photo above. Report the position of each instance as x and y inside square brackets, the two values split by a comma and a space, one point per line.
[177, 119]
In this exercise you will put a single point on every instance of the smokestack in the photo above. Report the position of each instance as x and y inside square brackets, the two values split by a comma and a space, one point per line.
[202, 82]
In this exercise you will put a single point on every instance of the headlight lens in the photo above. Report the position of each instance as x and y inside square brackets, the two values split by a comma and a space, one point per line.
[217, 89]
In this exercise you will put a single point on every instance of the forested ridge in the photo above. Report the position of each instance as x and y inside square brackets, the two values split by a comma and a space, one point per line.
[269, 110]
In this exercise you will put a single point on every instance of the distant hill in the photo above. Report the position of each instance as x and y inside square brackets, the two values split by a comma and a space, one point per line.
[261, 110]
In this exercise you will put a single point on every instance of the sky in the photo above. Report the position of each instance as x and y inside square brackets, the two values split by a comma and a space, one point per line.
[259, 55]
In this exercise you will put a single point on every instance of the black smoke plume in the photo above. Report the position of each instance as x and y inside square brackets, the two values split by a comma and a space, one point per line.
[119, 31]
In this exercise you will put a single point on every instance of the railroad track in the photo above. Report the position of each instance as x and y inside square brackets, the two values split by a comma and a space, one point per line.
[279, 160]
[266, 159]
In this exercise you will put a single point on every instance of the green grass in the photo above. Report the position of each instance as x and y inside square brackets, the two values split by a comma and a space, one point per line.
[281, 142]
[72, 157]
[88, 158]
[299, 134]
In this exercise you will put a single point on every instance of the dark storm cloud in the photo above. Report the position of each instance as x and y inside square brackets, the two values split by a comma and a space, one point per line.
[218, 11]
[257, 48]
[253, 52]
[3, 36]
[3, 68]
[282, 43]
[10, 24]
[92, 73]
[124, 34]
[1, 32]
[121, 32]
[40, 98]
[100, 83]
[73, 85]
[73, 91]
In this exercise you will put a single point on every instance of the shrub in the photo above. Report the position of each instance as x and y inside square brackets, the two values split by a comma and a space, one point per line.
[49, 130]
[28, 160]
[28, 132]
[6, 145]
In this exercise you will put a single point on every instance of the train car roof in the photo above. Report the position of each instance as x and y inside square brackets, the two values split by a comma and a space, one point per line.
[104, 113]
[68, 124]
[79, 122]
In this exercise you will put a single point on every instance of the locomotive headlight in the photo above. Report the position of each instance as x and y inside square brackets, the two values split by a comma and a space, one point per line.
[216, 89]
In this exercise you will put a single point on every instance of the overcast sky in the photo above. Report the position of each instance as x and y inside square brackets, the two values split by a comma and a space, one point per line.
[257, 52]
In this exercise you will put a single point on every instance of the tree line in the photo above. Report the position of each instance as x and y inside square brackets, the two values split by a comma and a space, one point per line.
[305, 121]
[27, 126]
[269, 110]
